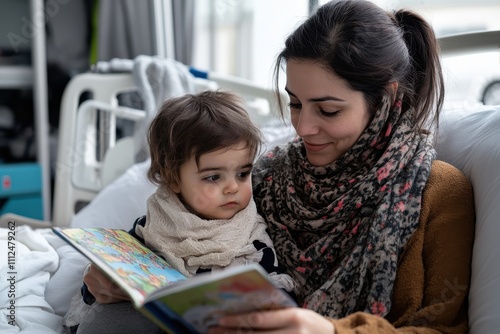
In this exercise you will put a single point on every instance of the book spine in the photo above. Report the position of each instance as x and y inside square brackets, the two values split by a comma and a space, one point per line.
[167, 319]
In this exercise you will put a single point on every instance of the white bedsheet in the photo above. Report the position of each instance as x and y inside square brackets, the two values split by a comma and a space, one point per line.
[23, 306]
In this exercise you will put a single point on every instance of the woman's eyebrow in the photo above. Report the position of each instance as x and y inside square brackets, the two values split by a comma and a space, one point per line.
[318, 99]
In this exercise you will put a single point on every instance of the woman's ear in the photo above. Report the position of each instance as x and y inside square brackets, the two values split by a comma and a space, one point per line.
[392, 88]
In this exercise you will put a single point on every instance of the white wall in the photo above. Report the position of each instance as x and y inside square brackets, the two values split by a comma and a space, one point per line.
[249, 35]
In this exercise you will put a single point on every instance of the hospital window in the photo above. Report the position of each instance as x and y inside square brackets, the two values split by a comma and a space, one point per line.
[242, 38]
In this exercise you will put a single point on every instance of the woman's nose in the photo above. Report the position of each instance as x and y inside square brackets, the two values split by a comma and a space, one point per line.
[306, 123]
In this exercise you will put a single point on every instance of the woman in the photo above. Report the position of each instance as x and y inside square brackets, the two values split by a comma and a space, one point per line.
[376, 232]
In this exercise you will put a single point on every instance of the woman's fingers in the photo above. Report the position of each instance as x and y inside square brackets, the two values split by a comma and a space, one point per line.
[291, 320]
[266, 319]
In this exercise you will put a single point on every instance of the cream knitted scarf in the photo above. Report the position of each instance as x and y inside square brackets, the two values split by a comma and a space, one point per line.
[188, 242]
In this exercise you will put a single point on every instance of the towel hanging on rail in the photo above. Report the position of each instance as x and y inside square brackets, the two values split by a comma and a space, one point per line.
[157, 79]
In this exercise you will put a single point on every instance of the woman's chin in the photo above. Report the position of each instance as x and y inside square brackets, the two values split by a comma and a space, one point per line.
[320, 161]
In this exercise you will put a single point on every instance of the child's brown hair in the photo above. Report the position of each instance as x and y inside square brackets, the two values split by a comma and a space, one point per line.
[195, 124]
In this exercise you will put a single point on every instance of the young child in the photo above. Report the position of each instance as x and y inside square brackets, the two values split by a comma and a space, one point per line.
[202, 216]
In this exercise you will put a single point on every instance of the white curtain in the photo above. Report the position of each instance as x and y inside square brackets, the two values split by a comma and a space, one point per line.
[183, 23]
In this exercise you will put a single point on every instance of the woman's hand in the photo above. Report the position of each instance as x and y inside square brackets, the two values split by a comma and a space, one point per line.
[290, 320]
[104, 290]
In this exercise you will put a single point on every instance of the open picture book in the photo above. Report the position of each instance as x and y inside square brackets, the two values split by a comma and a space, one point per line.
[174, 302]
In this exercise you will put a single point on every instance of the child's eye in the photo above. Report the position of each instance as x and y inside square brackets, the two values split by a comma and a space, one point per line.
[211, 178]
[244, 175]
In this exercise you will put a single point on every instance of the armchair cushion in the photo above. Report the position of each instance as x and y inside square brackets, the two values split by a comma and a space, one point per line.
[471, 142]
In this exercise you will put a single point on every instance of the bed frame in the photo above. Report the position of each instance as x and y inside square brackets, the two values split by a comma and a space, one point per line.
[91, 155]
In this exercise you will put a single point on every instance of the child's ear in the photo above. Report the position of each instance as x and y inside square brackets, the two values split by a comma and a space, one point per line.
[174, 186]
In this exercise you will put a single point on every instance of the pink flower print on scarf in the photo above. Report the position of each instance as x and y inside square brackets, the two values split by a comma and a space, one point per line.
[388, 130]
[354, 230]
[404, 188]
[301, 270]
[400, 206]
[382, 173]
[309, 185]
[339, 206]
[304, 259]
[378, 308]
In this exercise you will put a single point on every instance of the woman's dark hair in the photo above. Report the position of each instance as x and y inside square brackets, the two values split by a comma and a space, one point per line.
[370, 48]
[195, 124]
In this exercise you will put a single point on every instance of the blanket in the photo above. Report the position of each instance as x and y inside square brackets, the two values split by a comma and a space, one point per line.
[27, 263]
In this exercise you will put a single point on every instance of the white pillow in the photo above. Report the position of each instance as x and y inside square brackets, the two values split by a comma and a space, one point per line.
[120, 203]
[472, 144]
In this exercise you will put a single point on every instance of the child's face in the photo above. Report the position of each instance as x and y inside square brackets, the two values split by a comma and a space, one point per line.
[220, 186]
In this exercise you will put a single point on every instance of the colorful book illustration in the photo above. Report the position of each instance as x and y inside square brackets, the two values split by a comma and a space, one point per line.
[174, 302]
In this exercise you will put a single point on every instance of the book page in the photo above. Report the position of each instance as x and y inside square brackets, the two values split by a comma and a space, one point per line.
[201, 304]
[132, 263]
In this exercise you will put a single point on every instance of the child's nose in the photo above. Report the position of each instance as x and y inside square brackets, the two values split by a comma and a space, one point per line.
[231, 186]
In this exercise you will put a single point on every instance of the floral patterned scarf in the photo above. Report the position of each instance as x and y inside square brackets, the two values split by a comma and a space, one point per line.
[339, 229]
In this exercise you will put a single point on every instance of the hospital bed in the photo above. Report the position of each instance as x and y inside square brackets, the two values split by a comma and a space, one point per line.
[100, 182]
[95, 164]
[91, 156]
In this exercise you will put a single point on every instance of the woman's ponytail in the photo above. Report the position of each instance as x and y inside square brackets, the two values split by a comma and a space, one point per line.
[425, 76]
[370, 49]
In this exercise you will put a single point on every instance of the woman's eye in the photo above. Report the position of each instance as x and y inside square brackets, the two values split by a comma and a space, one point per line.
[292, 105]
[329, 113]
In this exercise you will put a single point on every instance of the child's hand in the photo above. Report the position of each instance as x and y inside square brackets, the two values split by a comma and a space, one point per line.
[104, 290]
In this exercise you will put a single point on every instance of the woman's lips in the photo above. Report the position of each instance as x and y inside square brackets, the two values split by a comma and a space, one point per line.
[314, 147]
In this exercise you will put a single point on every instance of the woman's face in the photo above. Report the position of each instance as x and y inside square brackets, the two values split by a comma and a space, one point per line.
[325, 112]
